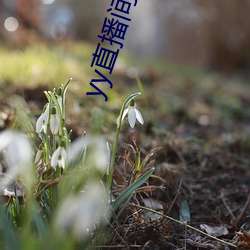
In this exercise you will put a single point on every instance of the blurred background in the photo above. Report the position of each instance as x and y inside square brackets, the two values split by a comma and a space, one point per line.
[212, 34]
[188, 53]
[190, 59]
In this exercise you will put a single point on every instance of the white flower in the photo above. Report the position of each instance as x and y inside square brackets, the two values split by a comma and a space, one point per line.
[98, 152]
[42, 122]
[17, 152]
[79, 214]
[59, 99]
[133, 114]
[59, 158]
[39, 155]
[54, 121]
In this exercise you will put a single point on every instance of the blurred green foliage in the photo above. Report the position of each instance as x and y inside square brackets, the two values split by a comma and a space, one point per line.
[42, 64]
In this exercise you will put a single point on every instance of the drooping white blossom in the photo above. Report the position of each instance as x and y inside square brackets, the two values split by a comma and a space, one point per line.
[42, 122]
[59, 99]
[54, 121]
[59, 157]
[39, 155]
[133, 114]
[79, 214]
[17, 151]
[98, 152]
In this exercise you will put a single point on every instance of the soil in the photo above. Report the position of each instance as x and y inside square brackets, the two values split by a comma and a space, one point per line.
[202, 168]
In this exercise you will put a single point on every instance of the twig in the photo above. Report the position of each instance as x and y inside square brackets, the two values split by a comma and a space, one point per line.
[227, 207]
[116, 246]
[184, 224]
[175, 198]
[185, 242]
[239, 217]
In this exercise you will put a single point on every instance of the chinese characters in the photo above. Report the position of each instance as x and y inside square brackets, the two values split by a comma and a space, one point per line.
[113, 30]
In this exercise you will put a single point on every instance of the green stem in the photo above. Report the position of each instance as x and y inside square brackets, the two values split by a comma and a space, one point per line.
[54, 142]
[47, 140]
[65, 87]
[52, 95]
[112, 164]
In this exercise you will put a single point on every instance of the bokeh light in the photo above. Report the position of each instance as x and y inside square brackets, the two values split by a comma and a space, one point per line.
[11, 24]
[47, 2]
[58, 31]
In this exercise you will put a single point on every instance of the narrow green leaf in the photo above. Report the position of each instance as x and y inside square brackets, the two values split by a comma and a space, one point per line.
[185, 212]
[122, 209]
[65, 87]
[10, 236]
[39, 222]
[138, 163]
[128, 191]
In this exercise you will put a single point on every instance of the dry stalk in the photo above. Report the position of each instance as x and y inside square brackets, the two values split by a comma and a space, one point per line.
[184, 224]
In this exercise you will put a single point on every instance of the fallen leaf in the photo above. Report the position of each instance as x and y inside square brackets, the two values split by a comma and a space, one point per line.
[215, 231]
[153, 204]
[245, 236]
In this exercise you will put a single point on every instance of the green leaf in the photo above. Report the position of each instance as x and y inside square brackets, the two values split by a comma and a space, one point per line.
[138, 163]
[40, 226]
[122, 209]
[185, 212]
[10, 236]
[129, 190]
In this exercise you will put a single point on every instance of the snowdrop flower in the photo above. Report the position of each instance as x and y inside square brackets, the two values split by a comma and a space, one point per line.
[42, 122]
[59, 99]
[39, 154]
[98, 152]
[79, 214]
[59, 157]
[133, 114]
[17, 152]
[54, 121]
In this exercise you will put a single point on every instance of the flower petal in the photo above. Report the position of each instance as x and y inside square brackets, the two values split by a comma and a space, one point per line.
[80, 214]
[101, 155]
[59, 99]
[54, 124]
[18, 156]
[139, 116]
[38, 156]
[19, 151]
[117, 120]
[63, 158]
[132, 117]
[39, 123]
[55, 156]
[44, 127]
[5, 138]
[46, 113]
[125, 112]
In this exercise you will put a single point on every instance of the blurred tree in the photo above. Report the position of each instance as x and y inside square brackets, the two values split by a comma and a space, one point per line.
[26, 16]
[229, 34]
[211, 33]
[29, 14]
[88, 17]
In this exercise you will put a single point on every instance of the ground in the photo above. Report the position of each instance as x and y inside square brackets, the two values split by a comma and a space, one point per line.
[197, 123]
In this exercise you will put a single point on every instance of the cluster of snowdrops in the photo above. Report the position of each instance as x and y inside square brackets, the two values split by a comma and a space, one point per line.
[66, 186]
